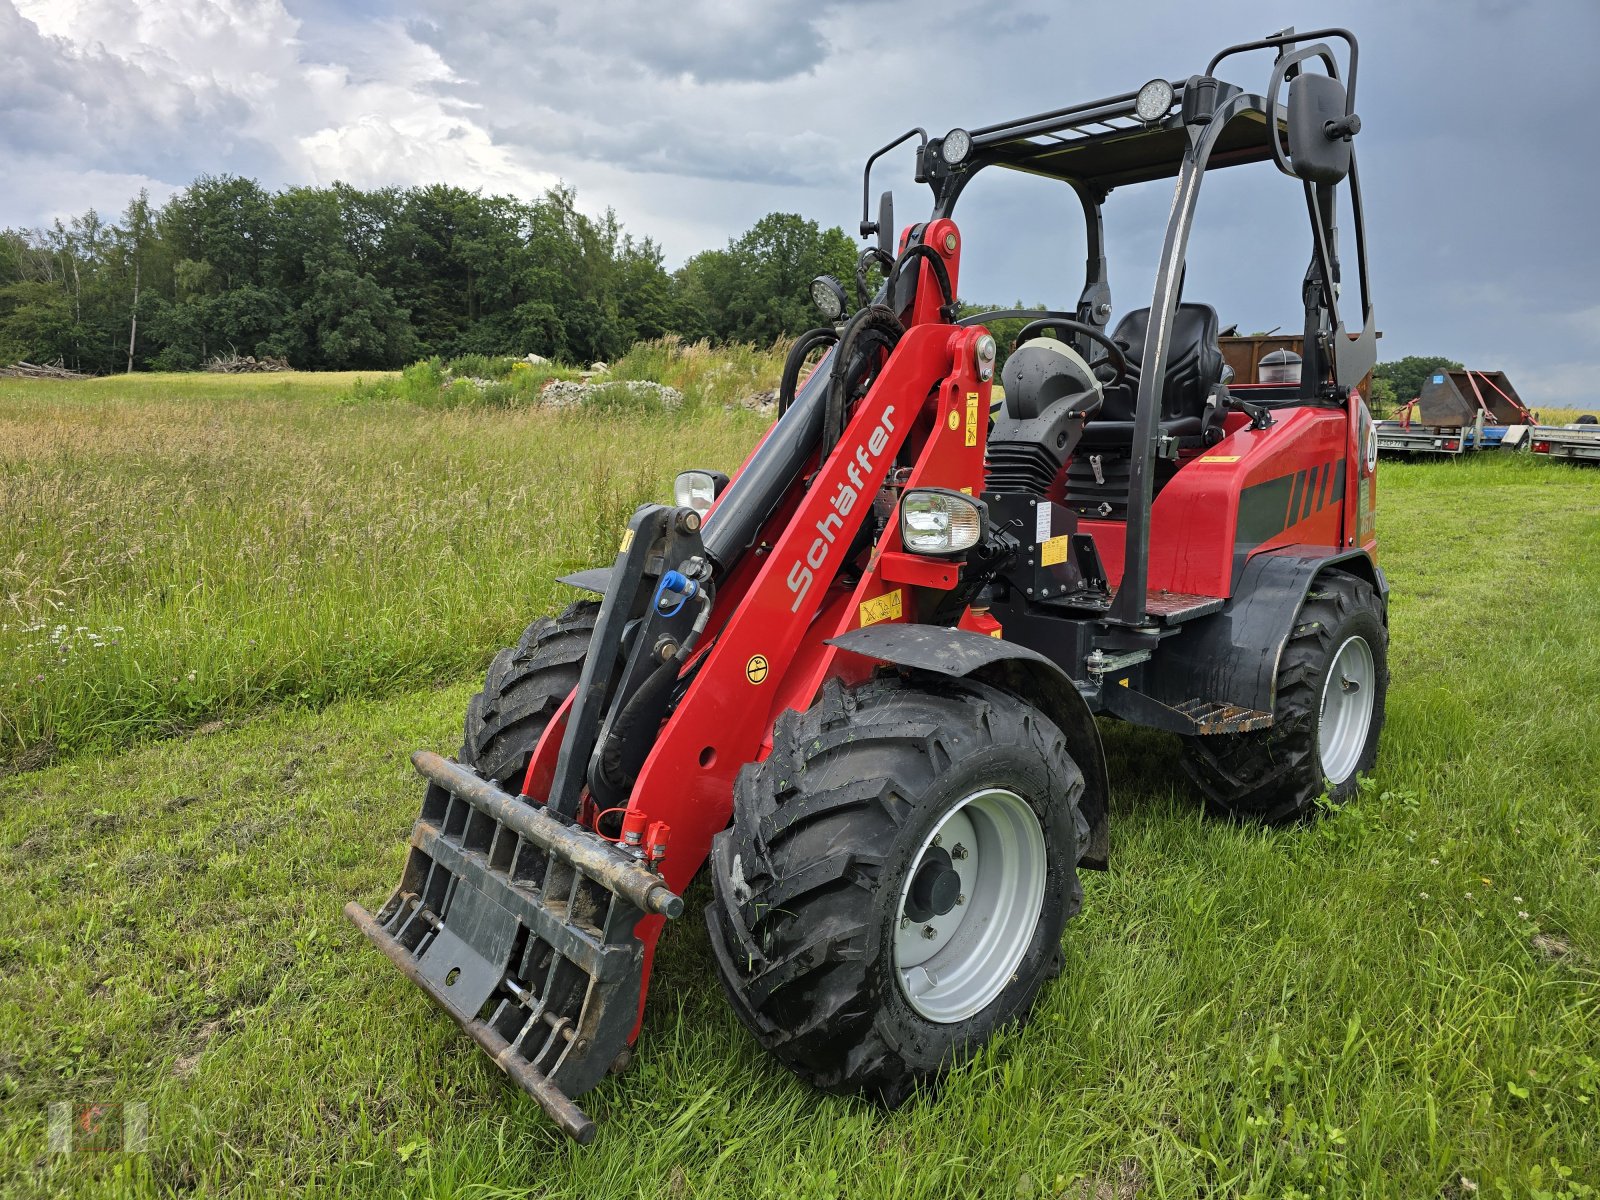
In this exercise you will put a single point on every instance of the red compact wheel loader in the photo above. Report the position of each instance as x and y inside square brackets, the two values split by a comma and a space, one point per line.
[859, 681]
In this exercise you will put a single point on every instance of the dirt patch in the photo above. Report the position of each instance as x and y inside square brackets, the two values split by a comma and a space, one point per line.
[1551, 946]
[34, 758]
[186, 1063]
[1125, 1181]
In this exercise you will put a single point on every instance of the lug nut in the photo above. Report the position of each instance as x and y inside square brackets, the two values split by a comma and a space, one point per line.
[928, 931]
[959, 851]
[961, 899]
[905, 922]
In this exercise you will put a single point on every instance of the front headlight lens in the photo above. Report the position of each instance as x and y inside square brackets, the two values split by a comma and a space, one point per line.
[938, 522]
[697, 490]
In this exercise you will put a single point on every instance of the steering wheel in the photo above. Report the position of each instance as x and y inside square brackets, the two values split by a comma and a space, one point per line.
[1114, 354]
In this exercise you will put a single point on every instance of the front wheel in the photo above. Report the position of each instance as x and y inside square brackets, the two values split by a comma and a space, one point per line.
[1333, 676]
[896, 879]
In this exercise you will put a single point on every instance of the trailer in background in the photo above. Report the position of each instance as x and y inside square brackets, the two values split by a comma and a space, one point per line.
[1458, 412]
[1398, 437]
[1574, 443]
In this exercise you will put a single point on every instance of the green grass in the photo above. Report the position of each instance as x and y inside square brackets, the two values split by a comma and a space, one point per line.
[1359, 1007]
[717, 377]
[176, 549]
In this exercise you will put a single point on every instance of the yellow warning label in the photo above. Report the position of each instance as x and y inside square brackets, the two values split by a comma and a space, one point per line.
[627, 540]
[972, 418]
[1053, 551]
[955, 419]
[966, 491]
[1221, 458]
[997, 633]
[756, 669]
[886, 607]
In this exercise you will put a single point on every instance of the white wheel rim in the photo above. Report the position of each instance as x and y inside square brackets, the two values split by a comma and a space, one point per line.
[1347, 699]
[995, 844]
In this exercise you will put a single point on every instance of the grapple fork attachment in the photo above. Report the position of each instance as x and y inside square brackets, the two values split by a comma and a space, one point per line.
[521, 927]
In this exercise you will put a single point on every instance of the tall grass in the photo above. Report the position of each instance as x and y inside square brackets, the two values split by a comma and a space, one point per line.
[715, 377]
[171, 555]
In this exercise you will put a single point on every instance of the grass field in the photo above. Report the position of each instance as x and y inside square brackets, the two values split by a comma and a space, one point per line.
[175, 549]
[1400, 1000]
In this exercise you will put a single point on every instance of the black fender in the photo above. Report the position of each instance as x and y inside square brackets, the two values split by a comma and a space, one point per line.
[961, 654]
[1232, 656]
[593, 579]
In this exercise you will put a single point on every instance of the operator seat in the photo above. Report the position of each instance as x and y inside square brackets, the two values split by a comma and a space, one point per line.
[1194, 367]
[1099, 475]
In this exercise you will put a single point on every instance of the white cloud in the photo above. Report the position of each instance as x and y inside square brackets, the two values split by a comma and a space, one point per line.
[193, 86]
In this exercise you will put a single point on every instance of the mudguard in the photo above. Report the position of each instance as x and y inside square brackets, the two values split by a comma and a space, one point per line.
[1232, 656]
[961, 654]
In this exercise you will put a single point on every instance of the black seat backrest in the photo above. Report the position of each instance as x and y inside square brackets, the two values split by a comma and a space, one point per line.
[1194, 363]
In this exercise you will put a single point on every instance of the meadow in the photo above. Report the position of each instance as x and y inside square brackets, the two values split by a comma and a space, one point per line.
[272, 589]
[178, 549]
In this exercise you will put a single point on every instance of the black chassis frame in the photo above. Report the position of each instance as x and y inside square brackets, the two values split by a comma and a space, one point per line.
[1097, 146]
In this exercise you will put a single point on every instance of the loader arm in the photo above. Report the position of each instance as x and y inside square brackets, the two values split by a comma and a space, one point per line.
[534, 931]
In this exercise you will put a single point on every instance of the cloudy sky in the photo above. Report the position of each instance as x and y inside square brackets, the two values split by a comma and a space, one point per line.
[692, 118]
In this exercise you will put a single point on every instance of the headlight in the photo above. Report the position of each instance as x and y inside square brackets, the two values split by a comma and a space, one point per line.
[1153, 101]
[940, 522]
[827, 293]
[956, 146]
[698, 489]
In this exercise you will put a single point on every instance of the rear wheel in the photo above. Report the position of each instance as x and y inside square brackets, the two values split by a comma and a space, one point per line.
[525, 685]
[896, 879]
[1332, 680]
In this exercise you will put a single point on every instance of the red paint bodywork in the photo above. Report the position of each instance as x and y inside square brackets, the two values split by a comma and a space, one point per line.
[933, 412]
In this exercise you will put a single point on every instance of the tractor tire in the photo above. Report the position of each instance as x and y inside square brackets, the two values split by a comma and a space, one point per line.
[525, 685]
[885, 812]
[1279, 773]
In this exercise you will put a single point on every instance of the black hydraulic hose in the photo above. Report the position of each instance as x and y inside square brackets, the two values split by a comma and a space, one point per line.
[872, 254]
[650, 698]
[795, 363]
[940, 272]
[872, 329]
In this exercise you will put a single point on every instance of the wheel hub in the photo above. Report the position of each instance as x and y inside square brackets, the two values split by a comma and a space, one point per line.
[1347, 702]
[969, 905]
[935, 887]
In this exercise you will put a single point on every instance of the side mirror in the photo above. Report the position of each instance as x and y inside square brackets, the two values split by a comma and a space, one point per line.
[887, 233]
[1319, 129]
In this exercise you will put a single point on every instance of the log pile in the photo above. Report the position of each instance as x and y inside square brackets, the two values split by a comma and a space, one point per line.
[28, 370]
[235, 364]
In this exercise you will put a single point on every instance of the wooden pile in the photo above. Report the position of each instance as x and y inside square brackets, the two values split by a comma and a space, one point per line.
[28, 370]
[234, 364]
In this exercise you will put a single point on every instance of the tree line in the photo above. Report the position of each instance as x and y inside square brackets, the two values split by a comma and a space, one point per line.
[345, 278]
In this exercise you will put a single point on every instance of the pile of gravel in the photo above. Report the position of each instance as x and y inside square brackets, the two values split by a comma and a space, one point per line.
[561, 393]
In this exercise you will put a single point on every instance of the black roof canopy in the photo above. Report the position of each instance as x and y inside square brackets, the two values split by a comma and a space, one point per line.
[1104, 145]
